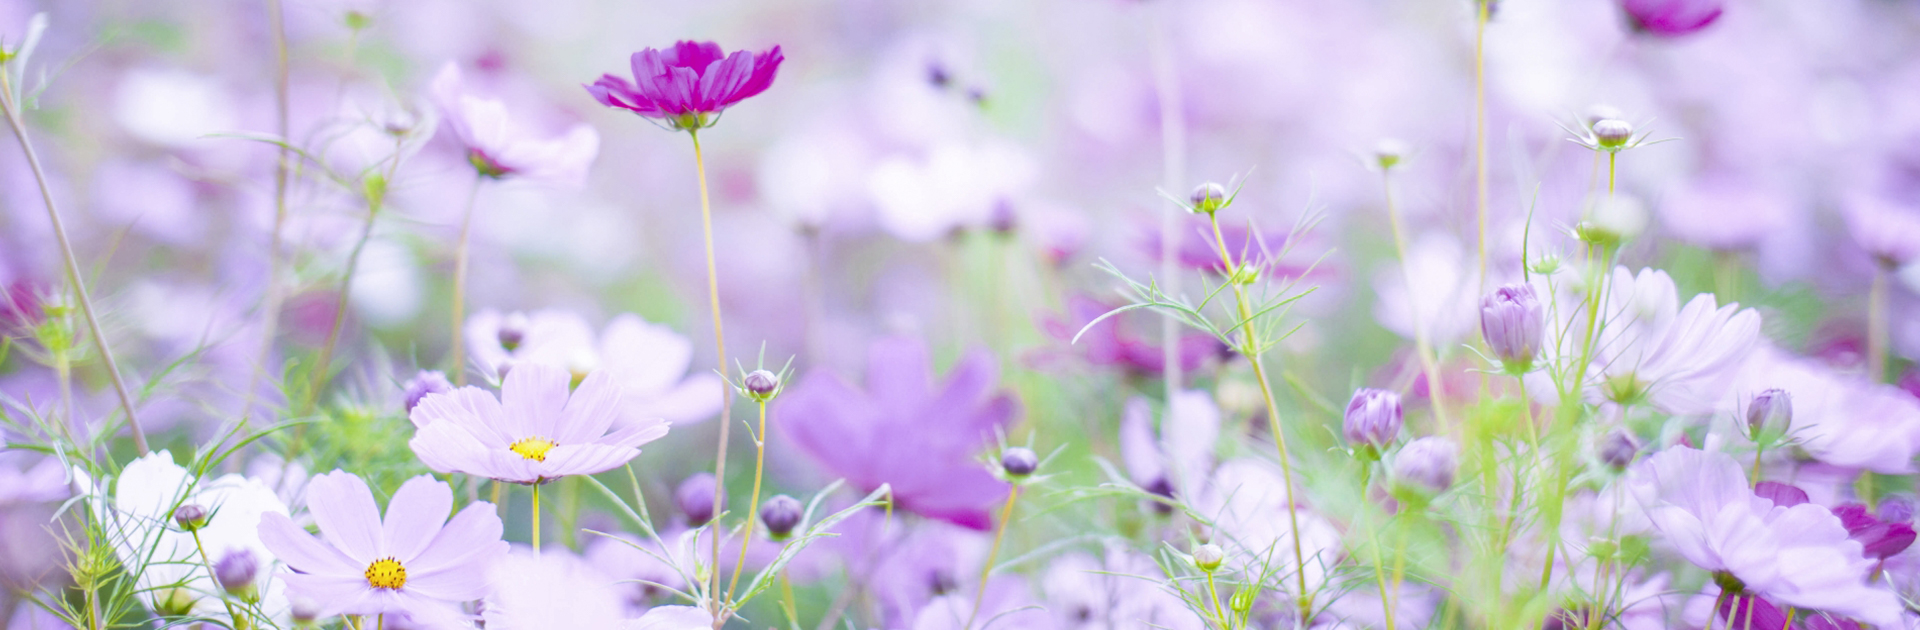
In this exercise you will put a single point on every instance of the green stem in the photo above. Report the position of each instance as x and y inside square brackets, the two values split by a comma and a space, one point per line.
[1213, 595]
[1422, 346]
[534, 517]
[461, 257]
[1373, 534]
[726, 401]
[1877, 326]
[1481, 15]
[753, 507]
[986, 570]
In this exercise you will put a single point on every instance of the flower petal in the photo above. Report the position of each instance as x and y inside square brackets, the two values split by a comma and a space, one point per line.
[343, 506]
[415, 515]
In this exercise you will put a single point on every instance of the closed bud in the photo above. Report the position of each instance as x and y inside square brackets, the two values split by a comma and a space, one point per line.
[1612, 219]
[761, 385]
[1208, 557]
[1019, 461]
[1602, 111]
[1428, 463]
[423, 384]
[1373, 418]
[781, 514]
[1208, 198]
[190, 517]
[1388, 153]
[1612, 134]
[236, 572]
[1770, 411]
[1618, 449]
[513, 330]
[174, 602]
[695, 498]
[1514, 325]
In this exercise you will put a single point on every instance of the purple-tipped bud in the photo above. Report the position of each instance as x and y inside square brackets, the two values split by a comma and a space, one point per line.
[1770, 411]
[1612, 134]
[1428, 463]
[190, 517]
[424, 383]
[761, 385]
[1671, 18]
[1618, 449]
[695, 497]
[1780, 494]
[781, 514]
[236, 571]
[1208, 557]
[1373, 418]
[1019, 461]
[1208, 198]
[1514, 324]
[513, 330]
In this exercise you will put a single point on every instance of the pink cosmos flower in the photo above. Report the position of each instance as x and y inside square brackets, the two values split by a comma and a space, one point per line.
[500, 147]
[1672, 18]
[1838, 419]
[1798, 555]
[1678, 359]
[688, 83]
[1112, 343]
[537, 431]
[906, 430]
[413, 563]
[649, 361]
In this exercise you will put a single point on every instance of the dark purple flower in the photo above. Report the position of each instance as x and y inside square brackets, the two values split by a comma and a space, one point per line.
[688, 83]
[695, 498]
[237, 570]
[907, 430]
[1019, 461]
[1513, 323]
[1373, 417]
[1672, 18]
[1618, 449]
[781, 514]
[424, 383]
[1780, 494]
[1880, 539]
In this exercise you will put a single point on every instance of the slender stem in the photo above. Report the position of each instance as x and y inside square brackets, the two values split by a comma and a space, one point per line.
[12, 110]
[321, 371]
[275, 293]
[1790, 613]
[1613, 159]
[1173, 159]
[204, 560]
[1373, 534]
[999, 533]
[535, 517]
[1481, 15]
[1758, 448]
[786, 600]
[461, 254]
[753, 507]
[726, 400]
[1213, 595]
[1422, 346]
[1877, 326]
[1250, 339]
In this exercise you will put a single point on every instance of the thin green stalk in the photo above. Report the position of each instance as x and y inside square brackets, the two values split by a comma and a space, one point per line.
[786, 600]
[534, 517]
[275, 294]
[1481, 15]
[753, 507]
[12, 110]
[461, 256]
[1373, 534]
[321, 370]
[1250, 337]
[1422, 346]
[1877, 325]
[204, 560]
[1213, 595]
[999, 533]
[726, 401]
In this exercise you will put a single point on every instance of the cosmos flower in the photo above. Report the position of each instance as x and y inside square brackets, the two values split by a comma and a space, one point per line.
[552, 590]
[1799, 555]
[1085, 592]
[1886, 230]
[1112, 344]
[688, 83]
[1678, 359]
[500, 147]
[1247, 501]
[415, 563]
[1672, 18]
[537, 431]
[906, 430]
[1838, 419]
[146, 495]
[1175, 460]
[649, 361]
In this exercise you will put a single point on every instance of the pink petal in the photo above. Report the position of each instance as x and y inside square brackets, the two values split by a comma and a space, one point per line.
[533, 398]
[344, 508]
[469, 540]
[415, 515]
[301, 550]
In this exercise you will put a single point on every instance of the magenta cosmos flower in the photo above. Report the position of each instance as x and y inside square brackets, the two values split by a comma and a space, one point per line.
[689, 83]
[907, 430]
[537, 431]
[414, 563]
[1672, 18]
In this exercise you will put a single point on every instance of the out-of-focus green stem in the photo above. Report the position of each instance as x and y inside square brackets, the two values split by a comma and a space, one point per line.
[1481, 15]
[715, 605]
[986, 570]
[1877, 326]
[1422, 346]
[753, 507]
[462, 254]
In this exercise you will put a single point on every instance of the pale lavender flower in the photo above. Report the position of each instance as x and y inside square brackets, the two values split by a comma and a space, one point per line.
[674, 618]
[1084, 591]
[1838, 419]
[552, 590]
[649, 361]
[1248, 502]
[642, 577]
[1428, 463]
[1441, 299]
[1801, 555]
[501, 147]
[415, 563]
[1887, 231]
[1678, 359]
[1373, 418]
[426, 382]
[1175, 460]
[537, 431]
[1513, 323]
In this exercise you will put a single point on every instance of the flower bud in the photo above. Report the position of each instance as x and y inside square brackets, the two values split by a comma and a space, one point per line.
[1428, 463]
[1513, 324]
[761, 385]
[1896, 509]
[1602, 111]
[513, 330]
[1612, 134]
[1770, 411]
[174, 602]
[190, 517]
[424, 383]
[1373, 418]
[781, 514]
[1019, 461]
[1388, 153]
[236, 571]
[1618, 449]
[1208, 198]
[1247, 273]
[1208, 557]
[304, 611]
[695, 498]
[1612, 219]
[505, 366]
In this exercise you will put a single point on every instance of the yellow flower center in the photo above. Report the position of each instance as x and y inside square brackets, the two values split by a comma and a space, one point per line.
[534, 448]
[386, 573]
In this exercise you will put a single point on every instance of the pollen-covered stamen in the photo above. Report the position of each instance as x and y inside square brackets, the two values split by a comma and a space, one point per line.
[534, 448]
[386, 573]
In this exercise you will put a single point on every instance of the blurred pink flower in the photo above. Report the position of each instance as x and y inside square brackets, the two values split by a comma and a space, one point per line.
[1112, 344]
[1889, 233]
[551, 590]
[1799, 555]
[688, 82]
[537, 431]
[414, 563]
[500, 147]
[907, 431]
[1838, 419]
[649, 361]
[1678, 359]
[1672, 18]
